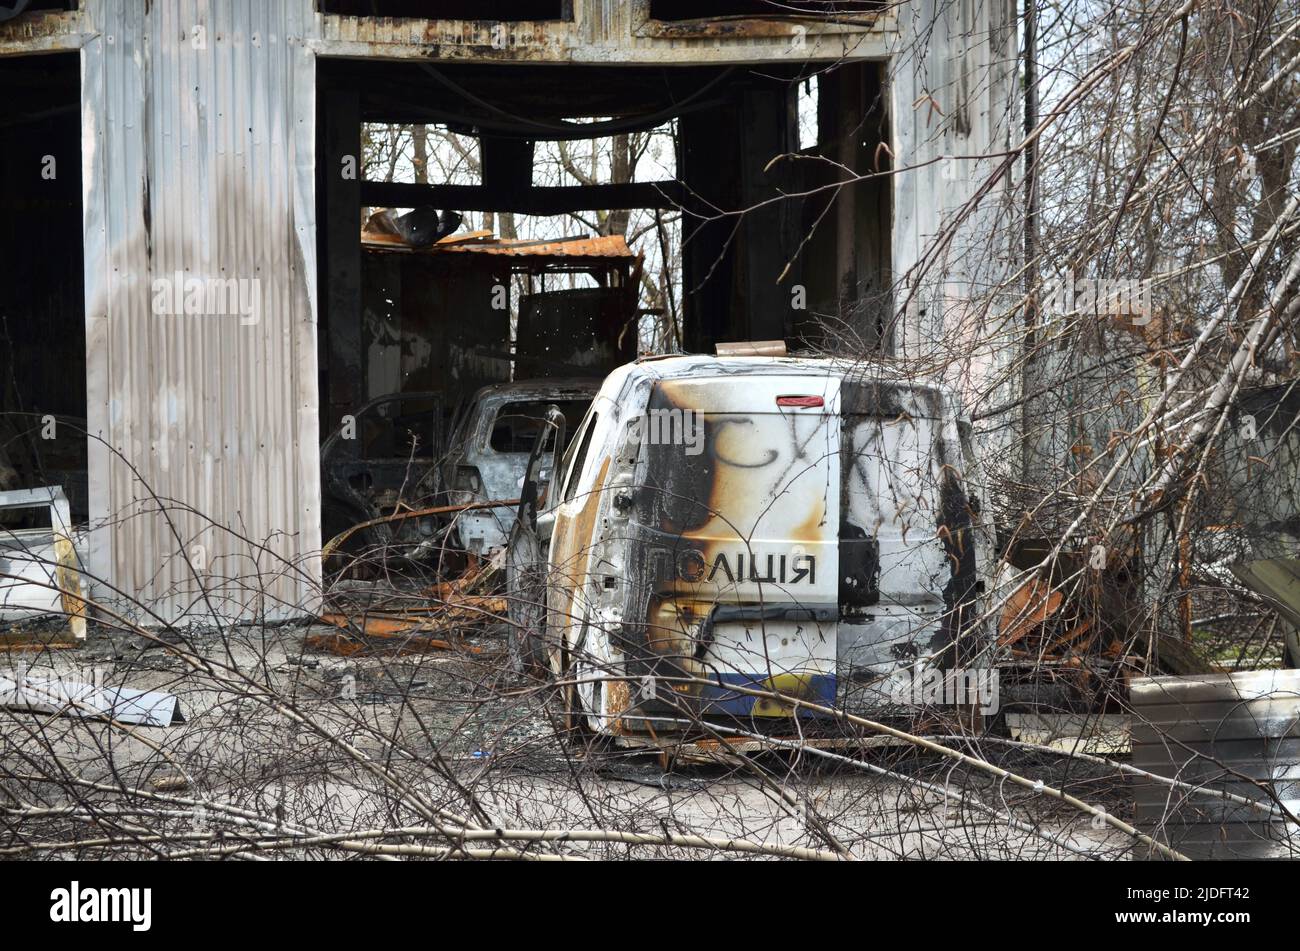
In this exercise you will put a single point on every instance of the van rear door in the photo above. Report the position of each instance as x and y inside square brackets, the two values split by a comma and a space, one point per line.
[742, 501]
[907, 557]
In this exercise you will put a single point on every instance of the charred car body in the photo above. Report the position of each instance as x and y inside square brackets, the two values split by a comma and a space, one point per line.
[490, 446]
[729, 528]
[384, 457]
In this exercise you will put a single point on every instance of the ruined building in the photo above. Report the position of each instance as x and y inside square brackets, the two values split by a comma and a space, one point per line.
[155, 148]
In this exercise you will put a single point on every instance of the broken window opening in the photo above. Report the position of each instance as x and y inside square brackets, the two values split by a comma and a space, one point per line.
[419, 153]
[503, 10]
[808, 105]
[677, 10]
[644, 156]
[574, 470]
[518, 424]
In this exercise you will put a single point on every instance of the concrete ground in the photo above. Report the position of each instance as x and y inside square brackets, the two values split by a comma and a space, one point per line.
[289, 750]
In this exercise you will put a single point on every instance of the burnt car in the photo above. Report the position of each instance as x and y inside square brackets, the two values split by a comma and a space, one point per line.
[384, 457]
[491, 444]
[752, 537]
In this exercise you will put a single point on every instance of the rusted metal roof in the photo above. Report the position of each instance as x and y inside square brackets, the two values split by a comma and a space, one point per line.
[601, 246]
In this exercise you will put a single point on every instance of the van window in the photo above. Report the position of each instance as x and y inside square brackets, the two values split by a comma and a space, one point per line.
[517, 425]
[575, 470]
[891, 492]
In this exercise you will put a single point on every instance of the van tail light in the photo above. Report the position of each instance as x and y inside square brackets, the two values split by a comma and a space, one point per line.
[466, 479]
[800, 401]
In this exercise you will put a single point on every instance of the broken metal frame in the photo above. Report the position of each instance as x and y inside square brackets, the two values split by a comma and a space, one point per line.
[343, 460]
[335, 543]
[89, 701]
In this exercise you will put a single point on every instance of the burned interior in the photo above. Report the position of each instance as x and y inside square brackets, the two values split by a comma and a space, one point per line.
[401, 314]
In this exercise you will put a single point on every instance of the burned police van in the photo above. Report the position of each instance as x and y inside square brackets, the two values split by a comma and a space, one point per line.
[754, 537]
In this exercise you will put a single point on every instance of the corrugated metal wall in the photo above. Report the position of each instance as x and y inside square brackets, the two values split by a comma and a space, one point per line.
[953, 92]
[1236, 734]
[198, 154]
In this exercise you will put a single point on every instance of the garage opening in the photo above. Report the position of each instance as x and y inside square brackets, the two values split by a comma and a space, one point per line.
[509, 225]
[42, 310]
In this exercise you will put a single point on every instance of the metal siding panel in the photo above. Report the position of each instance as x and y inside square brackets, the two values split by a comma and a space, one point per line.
[217, 416]
[1212, 731]
[926, 60]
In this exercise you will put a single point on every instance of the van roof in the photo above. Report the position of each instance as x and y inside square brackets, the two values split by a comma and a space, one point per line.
[541, 388]
[706, 367]
[676, 366]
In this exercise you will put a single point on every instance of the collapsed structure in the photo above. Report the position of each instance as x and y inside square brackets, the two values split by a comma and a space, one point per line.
[216, 145]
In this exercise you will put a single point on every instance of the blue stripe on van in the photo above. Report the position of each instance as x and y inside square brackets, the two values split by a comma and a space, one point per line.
[716, 699]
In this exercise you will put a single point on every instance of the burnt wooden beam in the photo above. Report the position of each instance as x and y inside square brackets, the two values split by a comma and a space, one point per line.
[709, 154]
[507, 165]
[530, 201]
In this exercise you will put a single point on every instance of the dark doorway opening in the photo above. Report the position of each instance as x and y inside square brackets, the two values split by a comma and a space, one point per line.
[42, 308]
